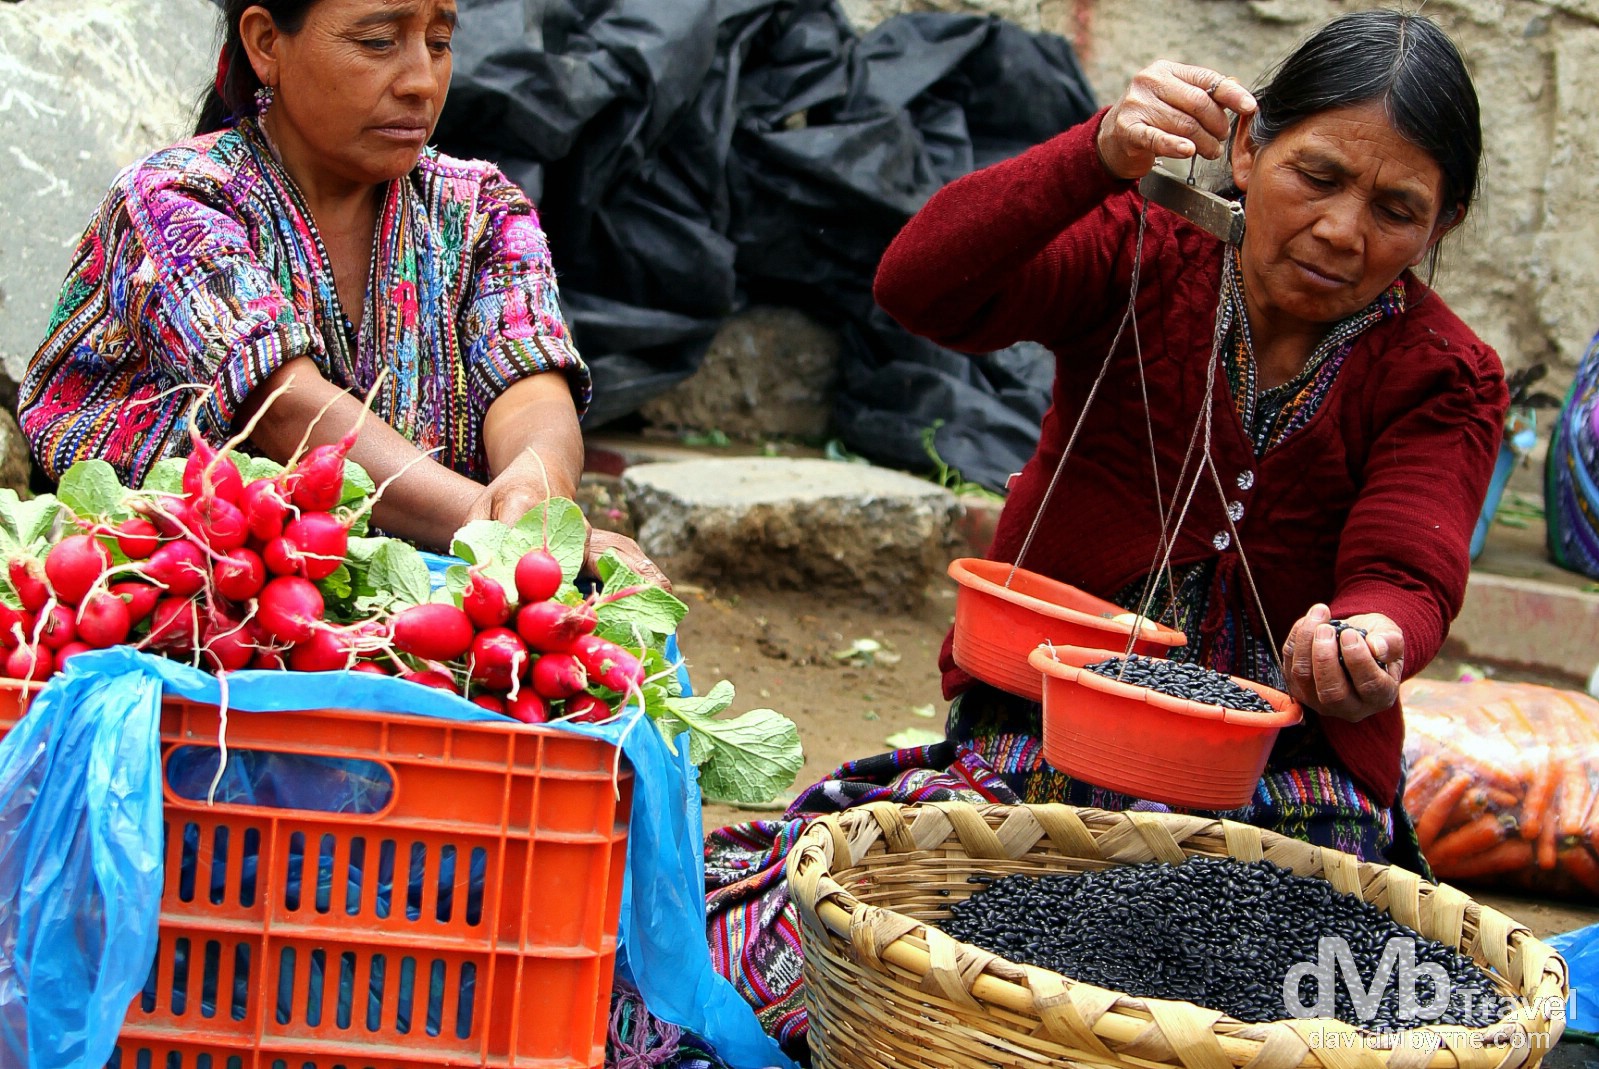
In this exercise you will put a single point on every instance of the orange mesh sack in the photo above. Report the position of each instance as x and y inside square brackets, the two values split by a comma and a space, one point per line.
[1504, 784]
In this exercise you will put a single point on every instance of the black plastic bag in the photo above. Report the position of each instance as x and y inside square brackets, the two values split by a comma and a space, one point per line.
[692, 157]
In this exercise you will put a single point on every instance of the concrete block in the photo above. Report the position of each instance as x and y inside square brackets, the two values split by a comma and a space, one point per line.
[1528, 623]
[817, 525]
[769, 372]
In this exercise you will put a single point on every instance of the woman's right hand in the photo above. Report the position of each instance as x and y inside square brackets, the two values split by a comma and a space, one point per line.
[1171, 110]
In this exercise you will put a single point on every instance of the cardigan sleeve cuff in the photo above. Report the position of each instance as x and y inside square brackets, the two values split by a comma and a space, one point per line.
[1082, 174]
[1415, 614]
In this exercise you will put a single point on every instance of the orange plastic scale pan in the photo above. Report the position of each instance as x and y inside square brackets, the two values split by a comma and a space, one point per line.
[997, 626]
[1152, 745]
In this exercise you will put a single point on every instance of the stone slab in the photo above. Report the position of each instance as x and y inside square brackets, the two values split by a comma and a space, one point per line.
[795, 523]
[1528, 623]
[769, 372]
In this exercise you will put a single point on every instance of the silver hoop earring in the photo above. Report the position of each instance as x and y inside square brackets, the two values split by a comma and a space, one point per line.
[263, 101]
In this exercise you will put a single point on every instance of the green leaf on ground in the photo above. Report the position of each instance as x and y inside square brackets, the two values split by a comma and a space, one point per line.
[913, 737]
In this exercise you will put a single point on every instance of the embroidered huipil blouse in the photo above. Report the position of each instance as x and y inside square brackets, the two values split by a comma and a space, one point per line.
[203, 268]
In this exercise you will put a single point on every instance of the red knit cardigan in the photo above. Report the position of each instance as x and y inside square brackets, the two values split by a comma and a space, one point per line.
[1369, 507]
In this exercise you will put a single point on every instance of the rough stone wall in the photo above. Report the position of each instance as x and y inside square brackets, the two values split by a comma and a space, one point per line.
[1524, 270]
[85, 90]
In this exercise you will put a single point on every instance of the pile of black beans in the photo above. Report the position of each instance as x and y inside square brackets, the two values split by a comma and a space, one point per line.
[1181, 679]
[1224, 934]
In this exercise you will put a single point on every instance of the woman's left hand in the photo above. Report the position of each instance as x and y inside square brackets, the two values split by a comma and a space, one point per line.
[519, 490]
[1363, 682]
[631, 552]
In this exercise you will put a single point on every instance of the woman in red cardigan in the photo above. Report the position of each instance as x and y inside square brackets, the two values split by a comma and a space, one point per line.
[1355, 418]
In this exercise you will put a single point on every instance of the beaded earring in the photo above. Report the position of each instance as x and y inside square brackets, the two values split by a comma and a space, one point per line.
[263, 101]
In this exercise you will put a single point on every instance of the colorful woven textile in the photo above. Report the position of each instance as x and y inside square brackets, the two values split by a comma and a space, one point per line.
[1572, 473]
[203, 267]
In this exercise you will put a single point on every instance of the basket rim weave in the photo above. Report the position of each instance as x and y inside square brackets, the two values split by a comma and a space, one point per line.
[1104, 1027]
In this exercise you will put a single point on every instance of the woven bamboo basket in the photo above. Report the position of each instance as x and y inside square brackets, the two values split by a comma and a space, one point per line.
[885, 989]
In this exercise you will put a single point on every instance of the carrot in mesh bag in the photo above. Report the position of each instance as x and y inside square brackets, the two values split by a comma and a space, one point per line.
[1504, 783]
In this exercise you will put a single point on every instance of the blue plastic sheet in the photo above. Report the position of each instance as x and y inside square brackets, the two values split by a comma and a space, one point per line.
[1580, 948]
[81, 872]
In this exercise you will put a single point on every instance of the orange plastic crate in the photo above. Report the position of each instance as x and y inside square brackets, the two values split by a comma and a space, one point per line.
[514, 967]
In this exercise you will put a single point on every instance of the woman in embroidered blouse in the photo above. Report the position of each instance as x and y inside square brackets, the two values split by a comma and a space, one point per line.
[306, 235]
[1355, 417]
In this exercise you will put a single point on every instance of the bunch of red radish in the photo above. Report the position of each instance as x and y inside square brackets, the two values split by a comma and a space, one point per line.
[532, 659]
[225, 575]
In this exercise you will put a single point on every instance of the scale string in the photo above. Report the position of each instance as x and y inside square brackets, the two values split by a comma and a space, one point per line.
[1207, 461]
[1165, 543]
[1088, 402]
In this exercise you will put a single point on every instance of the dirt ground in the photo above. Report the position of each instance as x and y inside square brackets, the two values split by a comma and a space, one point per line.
[792, 651]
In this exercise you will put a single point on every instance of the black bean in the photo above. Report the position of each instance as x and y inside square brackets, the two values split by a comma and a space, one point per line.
[1219, 933]
[1181, 679]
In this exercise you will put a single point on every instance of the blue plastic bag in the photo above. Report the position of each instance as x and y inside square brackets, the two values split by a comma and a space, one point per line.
[1580, 948]
[81, 865]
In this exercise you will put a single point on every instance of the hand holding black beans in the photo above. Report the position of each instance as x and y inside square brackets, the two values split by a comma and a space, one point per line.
[1340, 672]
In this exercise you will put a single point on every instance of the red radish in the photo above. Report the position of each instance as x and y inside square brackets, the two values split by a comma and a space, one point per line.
[172, 625]
[290, 608]
[137, 538]
[240, 575]
[484, 601]
[73, 564]
[320, 541]
[233, 647]
[558, 675]
[527, 707]
[266, 509]
[9, 619]
[103, 620]
[30, 662]
[27, 579]
[317, 482]
[281, 557]
[329, 650]
[538, 576]
[71, 649]
[370, 667]
[432, 632]
[59, 627]
[433, 678]
[221, 524]
[498, 658]
[588, 709]
[269, 659]
[551, 627]
[179, 566]
[492, 702]
[172, 517]
[608, 664]
[208, 474]
[140, 599]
